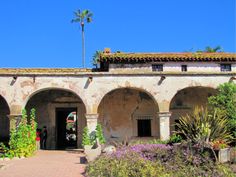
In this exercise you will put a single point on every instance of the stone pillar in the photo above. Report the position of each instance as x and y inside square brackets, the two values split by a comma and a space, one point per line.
[14, 120]
[164, 118]
[92, 120]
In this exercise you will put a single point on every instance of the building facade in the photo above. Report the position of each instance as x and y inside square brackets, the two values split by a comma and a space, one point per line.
[132, 95]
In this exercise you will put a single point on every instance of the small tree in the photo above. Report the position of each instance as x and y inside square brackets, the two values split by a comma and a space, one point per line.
[99, 134]
[225, 102]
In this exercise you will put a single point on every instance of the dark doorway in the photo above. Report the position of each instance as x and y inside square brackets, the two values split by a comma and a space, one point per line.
[66, 126]
[144, 128]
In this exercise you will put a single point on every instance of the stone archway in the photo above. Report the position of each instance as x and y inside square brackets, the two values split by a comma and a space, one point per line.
[4, 120]
[127, 113]
[186, 99]
[53, 107]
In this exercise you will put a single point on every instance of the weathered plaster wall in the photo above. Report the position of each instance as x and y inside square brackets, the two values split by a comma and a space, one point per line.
[4, 120]
[170, 67]
[185, 100]
[91, 93]
[120, 109]
[46, 102]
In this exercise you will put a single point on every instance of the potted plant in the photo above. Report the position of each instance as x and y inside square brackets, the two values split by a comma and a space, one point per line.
[92, 142]
[222, 150]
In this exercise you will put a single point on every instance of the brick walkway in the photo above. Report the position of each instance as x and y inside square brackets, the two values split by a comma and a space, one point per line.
[45, 164]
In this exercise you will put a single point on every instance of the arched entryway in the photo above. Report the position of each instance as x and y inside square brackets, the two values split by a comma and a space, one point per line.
[186, 99]
[127, 113]
[4, 120]
[63, 113]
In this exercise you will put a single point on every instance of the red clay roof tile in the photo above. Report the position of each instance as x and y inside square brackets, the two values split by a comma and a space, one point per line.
[165, 57]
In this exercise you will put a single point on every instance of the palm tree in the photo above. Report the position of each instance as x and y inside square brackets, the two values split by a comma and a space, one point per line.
[210, 49]
[82, 17]
[96, 57]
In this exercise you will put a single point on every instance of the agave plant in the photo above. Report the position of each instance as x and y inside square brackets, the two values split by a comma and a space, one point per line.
[203, 126]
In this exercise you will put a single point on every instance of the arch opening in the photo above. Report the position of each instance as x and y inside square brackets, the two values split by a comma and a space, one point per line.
[63, 113]
[4, 120]
[128, 113]
[186, 99]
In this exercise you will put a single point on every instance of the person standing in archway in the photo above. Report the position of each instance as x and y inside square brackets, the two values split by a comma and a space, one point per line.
[38, 139]
[44, 137]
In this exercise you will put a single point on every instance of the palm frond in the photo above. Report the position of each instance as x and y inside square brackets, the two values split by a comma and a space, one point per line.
[217, 48]
[80, 16]
[89, 19]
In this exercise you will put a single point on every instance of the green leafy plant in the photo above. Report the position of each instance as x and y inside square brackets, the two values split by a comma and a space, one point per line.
[225, 103]
[22, 138]
[86, 138]
[90, 138]
[175, 138]
[99, 134]
[203, 127]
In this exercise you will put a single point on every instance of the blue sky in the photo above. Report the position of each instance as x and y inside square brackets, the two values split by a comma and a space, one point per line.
[38, 33]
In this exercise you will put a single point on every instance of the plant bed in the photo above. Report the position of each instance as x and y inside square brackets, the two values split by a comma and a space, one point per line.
[156, 160]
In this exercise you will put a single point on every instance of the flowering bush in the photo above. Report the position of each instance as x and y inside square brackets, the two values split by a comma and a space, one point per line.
[220, 144]
[23, 138]
[150, 141]
[156, 160]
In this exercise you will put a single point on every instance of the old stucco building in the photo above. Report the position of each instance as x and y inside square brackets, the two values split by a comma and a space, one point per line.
[131, 95]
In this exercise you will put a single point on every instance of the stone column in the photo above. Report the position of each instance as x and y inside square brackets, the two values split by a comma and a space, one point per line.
[92, 120]
[164, 118]
[14, 120]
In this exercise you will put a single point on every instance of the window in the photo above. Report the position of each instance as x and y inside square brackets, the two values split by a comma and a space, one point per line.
[144, 128]
[184, 68]
[225, 67]
[157, 67]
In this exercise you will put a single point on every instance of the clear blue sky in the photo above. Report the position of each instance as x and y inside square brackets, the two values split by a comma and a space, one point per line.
[39, 33]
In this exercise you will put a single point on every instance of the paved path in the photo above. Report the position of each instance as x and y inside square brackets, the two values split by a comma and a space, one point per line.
[45, 164]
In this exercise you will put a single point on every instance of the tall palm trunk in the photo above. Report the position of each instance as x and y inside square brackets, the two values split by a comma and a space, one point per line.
[83, 46]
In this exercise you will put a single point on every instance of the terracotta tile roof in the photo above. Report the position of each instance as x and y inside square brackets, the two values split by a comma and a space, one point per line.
[165, 57]
[43, 70]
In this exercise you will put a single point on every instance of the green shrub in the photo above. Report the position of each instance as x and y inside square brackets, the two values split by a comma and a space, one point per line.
[99, 134]
[22, 141]
[225, 102]
[90, 138]
[175, 138]
[86, 138]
